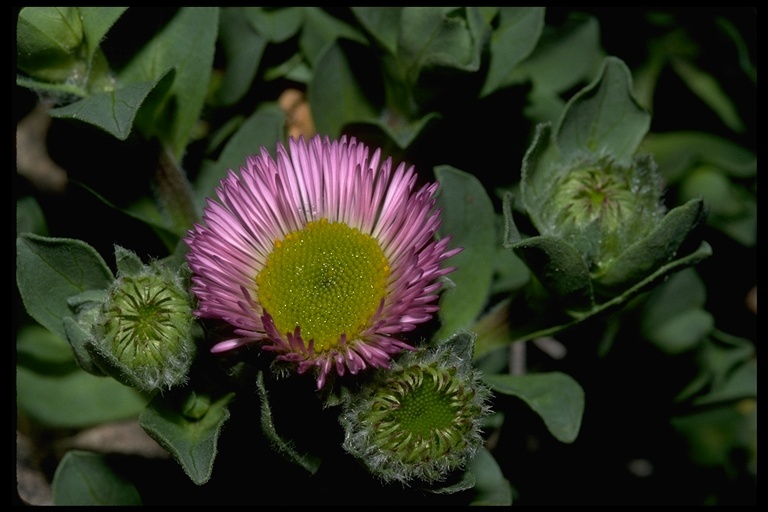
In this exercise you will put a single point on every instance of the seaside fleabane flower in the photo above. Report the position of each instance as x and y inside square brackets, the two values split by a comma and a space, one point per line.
[323, 255]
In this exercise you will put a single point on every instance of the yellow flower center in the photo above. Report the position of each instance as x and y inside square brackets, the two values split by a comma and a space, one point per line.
[326, 278]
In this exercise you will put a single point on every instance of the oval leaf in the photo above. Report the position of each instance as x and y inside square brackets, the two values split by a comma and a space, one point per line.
[86, 478]
[51, 270]
[75, 399]
[604, 118]
[469, 218]
[555, 396]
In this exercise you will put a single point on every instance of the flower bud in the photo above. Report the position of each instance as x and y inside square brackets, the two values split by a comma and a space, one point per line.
[601, 207]
[145, 332]
[418, 421]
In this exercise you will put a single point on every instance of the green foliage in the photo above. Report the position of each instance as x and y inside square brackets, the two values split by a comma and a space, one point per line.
[85, 478]
[191, 439]
[582, 163]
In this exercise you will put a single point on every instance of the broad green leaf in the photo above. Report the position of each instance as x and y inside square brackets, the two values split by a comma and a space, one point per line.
[30, 217]
[554, 396]
[468, 217]
[320, 31]
[276, 24]
[382, 23]
[113, 111]
[673, 315]
[446, 37]
[39, 349]
[243, 47]
[47, 41]
[51, 270]
[683, 332]
[335, 94]
[398, 129]
[284, 447]
[264, 128]
[676, 153]
[186, 45]
[515, 38]
[96, 23]
[564, 57]
[604, 118]
[713, 435]
[491, 488]
[714, 187]
[658, 248]
[682, 292]
[740, 383]
[705, 86]
[74, 399]
[560, 268]
[192, 441]
[87, 478]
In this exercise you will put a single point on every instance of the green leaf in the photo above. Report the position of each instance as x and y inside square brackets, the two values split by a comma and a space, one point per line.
[40, 350]
[658, 248]
[335, 94]
[96, 23]
[47, 40]
[673, 315]
[74, 399]
[447, 37]
[468, 217]
[127, 261]
[514, 40]
[243, 47]
[30, 217]
[192, 442]
[78, 337]
[399, 129]
[604, 118]
[50, 270]
[554, 396]
[276, 24]
[676, 153]
[284, 447]
[565, 56]
[264, 128]
[705, 86]
[491, 488]
[382, 23]
[186, 45]
[112, 111]
[560, 268]
[86, 478]
[320, 31]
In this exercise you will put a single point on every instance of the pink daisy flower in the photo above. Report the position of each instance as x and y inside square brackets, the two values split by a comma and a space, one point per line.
[323, 255]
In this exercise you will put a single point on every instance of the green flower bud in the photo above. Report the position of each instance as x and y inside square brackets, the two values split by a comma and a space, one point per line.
[418, 421]
[601, 207]
[145, 332]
